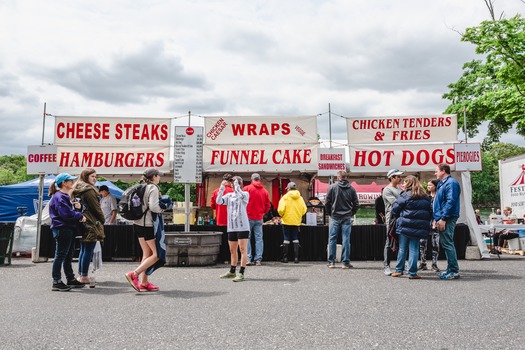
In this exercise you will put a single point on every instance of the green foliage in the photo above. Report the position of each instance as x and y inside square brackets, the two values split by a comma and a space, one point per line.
[485, 184]
[493, 89]
[13, 169]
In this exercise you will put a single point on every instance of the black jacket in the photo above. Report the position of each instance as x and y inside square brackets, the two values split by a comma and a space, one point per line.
[341, 200]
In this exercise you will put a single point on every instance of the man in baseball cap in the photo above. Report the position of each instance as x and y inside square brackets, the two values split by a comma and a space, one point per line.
[390, 194]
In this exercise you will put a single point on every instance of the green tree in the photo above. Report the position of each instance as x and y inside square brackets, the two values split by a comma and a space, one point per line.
[485, 184]
[493, 88]
[13, 169]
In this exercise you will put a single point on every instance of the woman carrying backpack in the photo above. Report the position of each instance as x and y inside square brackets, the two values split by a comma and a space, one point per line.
[147, 228]
[85, 190]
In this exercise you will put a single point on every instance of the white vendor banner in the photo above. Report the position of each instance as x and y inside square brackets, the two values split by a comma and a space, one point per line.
[408, 157]
[265, 158]
[112, 160]
[512, 184]
[468, 156]
[260, 130]
[330, 161]
[403, 129]
[112, 131]
[112, 145]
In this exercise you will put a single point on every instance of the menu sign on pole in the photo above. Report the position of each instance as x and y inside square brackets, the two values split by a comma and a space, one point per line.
[187, 165]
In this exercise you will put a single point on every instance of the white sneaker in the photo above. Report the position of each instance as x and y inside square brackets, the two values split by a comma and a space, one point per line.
[387, 271]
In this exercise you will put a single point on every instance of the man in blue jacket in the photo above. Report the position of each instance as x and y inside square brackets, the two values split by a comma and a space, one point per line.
[446, 213]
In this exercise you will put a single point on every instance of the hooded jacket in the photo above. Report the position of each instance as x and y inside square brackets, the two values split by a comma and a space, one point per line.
[292, 208]
[341, 200]
[94, 215]
[259, 203]
[414, 215]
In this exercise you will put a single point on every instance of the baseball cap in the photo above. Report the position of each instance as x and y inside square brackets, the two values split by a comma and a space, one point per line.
[291, 185]
[103, 188]
[63, 177]
[149, 173]
[394, 172]
[256, 176]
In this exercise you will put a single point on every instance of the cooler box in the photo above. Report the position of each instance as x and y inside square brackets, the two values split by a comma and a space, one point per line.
[521, 233]
[514, 244]
[522, 243]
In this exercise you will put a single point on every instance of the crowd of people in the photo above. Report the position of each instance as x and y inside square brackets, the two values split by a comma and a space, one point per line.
[411, 215]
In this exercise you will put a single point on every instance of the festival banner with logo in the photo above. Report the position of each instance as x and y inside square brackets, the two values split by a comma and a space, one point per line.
[112, 145]
[512, 184]
[263, 144]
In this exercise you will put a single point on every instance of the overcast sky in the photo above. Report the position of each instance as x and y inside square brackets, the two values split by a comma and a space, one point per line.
[244, 57]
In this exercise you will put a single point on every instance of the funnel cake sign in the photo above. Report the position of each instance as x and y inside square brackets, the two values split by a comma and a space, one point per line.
[273, 144]
[410, 143]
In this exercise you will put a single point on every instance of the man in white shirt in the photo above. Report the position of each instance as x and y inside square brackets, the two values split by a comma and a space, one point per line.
[108, 204]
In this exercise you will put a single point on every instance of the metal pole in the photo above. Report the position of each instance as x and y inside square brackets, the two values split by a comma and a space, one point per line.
[36, 258]
[330, 124]
[465, 122]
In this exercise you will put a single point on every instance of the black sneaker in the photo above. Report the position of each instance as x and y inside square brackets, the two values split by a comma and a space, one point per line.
[60, 287]
[75, 284]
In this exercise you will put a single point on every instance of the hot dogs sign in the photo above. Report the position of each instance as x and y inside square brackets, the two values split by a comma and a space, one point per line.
[411, 143]
[272, 144]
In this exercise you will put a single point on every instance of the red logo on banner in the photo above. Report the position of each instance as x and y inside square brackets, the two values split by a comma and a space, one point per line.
[189, 131]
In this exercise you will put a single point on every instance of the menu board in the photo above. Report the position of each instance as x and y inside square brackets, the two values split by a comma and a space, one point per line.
[187, 164]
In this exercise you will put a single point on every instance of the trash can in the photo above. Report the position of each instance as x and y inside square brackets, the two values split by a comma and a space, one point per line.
[192, 248]
[6, 242]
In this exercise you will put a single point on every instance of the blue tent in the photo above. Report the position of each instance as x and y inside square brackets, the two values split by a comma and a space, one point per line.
[24, 197]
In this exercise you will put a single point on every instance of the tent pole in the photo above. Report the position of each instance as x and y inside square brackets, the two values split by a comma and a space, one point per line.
[36, 257]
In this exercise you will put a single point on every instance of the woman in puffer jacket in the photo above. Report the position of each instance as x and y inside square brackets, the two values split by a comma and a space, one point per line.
[413, 213]
[87, 192]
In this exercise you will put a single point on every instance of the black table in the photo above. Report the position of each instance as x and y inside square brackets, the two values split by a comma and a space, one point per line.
[367, 242]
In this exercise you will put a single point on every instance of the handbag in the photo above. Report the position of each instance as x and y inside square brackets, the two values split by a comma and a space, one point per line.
[394, 237]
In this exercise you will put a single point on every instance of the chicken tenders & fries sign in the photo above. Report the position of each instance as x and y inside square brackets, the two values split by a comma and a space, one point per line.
[411, 143]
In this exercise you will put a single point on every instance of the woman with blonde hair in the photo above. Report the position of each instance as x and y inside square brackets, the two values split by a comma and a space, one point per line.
[413, 213]
[86, 191]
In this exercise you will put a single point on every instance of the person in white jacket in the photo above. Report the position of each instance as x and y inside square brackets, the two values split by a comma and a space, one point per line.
[238, 225]
[291, 209]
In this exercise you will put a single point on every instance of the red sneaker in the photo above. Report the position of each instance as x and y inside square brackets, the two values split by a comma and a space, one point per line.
[149, 287]
[133, 280]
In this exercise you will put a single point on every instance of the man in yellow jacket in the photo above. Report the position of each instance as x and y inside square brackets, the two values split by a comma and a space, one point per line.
[291, 209]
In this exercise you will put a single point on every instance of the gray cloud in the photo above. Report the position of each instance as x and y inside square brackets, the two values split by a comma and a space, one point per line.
[132, 78]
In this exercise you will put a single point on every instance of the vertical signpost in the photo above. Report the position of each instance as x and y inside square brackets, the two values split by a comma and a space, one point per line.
[187, 165]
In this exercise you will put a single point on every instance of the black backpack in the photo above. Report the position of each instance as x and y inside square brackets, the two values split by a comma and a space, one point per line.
[131, 202]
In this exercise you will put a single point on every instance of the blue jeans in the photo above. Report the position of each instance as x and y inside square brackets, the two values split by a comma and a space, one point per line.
[412, 245]
[257, 230]
[65, 242]
[291, 233]
[447, 243]
[343, 226]
[84, 257]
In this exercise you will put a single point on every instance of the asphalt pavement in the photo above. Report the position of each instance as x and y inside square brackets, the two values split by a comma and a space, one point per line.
[278, 306]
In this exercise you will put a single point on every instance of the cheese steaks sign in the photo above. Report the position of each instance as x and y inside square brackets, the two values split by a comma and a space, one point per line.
[410, 143]
[112, 145]
[272, 144]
